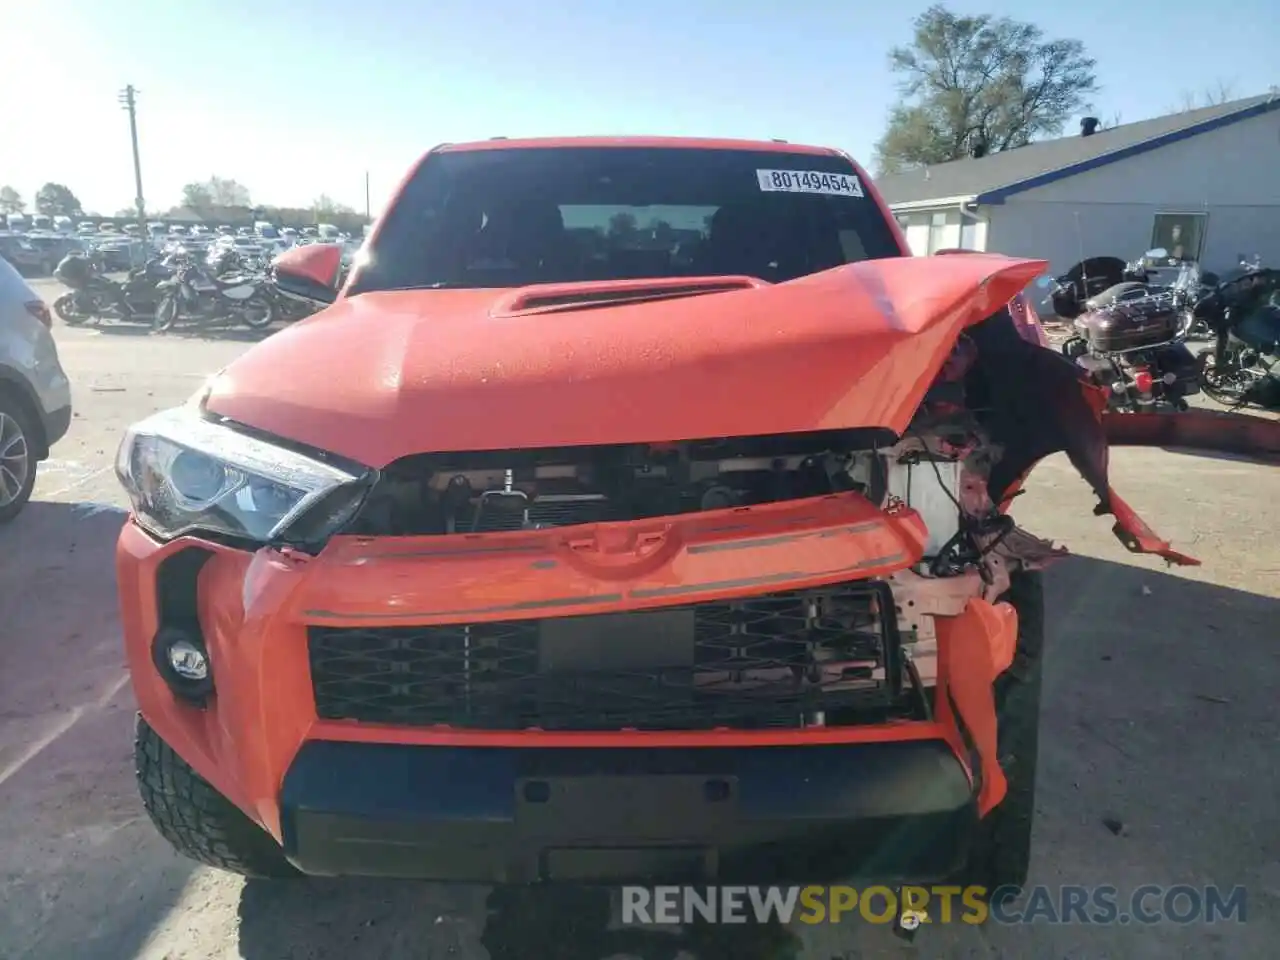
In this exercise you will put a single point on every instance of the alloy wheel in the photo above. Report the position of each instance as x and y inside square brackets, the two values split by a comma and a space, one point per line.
[15, 460]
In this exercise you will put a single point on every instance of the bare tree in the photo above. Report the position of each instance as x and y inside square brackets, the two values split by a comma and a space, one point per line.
[325, 206]
[979, 81]
[1219, 92]
[228, 193]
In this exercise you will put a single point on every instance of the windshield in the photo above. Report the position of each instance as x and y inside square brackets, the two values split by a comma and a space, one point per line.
[516, 216]
[1188, 276]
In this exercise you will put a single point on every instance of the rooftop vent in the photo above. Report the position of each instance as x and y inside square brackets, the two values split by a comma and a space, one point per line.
[1089, 126]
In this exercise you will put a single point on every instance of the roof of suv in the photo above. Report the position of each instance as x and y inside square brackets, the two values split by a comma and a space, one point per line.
[688, 143]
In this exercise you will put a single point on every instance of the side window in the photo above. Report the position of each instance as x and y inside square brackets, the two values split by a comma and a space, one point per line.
[1182, 234]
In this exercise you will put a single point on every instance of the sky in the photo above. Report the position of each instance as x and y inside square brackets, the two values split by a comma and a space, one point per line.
[299, 100]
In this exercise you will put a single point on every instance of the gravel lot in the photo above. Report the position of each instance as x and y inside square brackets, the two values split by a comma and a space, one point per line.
[1159, 718]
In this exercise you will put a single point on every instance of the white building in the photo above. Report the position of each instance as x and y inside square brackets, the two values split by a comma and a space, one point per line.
[1206, 181]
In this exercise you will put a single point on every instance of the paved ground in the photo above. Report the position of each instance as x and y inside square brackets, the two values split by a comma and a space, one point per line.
[1160, 717]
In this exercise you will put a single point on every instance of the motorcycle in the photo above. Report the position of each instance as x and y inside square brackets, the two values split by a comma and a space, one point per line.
[1134, 280]
[1133, 345]
[193, 293]
[96, 297]
[1088, 278]
[1243, 366]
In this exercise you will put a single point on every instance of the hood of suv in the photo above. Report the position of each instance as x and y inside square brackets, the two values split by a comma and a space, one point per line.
[383, 375]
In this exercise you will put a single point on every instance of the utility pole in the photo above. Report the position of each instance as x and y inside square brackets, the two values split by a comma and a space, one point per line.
[129, 100]
[367, 214]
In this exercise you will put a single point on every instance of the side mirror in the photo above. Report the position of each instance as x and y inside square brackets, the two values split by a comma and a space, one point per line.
[311, 273]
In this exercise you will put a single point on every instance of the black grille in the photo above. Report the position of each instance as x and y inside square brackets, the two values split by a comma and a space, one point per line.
[768, 661]
[497, 514]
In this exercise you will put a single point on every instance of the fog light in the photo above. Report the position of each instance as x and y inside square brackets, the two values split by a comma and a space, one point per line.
[182, 660]
[187, 660]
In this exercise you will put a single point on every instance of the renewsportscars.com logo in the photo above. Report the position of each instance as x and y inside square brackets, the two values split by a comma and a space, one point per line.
[914, 906]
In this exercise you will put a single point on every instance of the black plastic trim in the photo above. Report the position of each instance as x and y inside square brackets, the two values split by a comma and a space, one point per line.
[896, 811]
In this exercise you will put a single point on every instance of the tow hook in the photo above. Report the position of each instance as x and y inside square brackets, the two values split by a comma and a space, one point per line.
[908, 921]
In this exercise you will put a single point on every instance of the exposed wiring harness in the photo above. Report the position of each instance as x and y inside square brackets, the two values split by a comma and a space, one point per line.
[965, 547]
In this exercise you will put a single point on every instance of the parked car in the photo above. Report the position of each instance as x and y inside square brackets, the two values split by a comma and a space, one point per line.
[121, 252]
[25, 256]
[35, 396]
[541, 553]
[53, 247]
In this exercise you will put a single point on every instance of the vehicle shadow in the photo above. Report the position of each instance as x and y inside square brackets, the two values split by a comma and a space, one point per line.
[82, 871]
[1156, 766]
[402, 919]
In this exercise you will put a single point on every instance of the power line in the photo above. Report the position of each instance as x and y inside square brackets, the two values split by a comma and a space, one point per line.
[128, 99]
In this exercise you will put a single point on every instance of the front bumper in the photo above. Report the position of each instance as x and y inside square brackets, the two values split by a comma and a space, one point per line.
[893, 811]
[891, 800]
[56, 424]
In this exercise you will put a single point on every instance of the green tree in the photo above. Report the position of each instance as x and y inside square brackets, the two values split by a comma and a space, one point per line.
[57, 200]
[986, 82]
[11, 201]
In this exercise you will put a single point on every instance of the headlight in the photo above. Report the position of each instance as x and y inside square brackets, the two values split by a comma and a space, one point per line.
[184, 473]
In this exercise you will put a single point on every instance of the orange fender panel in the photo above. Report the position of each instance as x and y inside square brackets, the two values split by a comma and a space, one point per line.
[973, 649]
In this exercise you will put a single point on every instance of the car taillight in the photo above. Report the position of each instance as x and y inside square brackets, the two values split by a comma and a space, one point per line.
[38, 310]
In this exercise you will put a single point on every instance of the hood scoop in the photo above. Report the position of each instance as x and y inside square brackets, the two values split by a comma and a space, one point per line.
[556, 297]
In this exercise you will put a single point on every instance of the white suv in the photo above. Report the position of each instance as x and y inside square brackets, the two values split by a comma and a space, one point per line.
[35, 396]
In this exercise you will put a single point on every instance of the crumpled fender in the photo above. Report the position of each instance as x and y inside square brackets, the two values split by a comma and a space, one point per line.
[1036, 403]
[1193, 431]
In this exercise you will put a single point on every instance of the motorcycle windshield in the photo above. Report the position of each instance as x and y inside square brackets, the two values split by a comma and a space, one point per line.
[1094, 268]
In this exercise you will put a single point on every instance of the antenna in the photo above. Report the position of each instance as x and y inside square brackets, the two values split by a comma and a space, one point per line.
[1084, 270]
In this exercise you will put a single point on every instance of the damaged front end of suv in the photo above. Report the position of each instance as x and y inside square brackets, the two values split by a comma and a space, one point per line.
[703, 577]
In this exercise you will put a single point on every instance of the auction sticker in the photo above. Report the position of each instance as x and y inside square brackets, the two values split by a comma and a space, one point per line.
[810, 181]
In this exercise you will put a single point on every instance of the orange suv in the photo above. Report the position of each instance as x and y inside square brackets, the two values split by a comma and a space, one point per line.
[636, 509]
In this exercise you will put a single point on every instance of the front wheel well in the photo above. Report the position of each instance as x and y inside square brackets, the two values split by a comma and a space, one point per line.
[15, 392]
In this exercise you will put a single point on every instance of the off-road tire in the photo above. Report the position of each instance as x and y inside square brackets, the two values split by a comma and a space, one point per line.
[1001, 850]
[199, 822]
